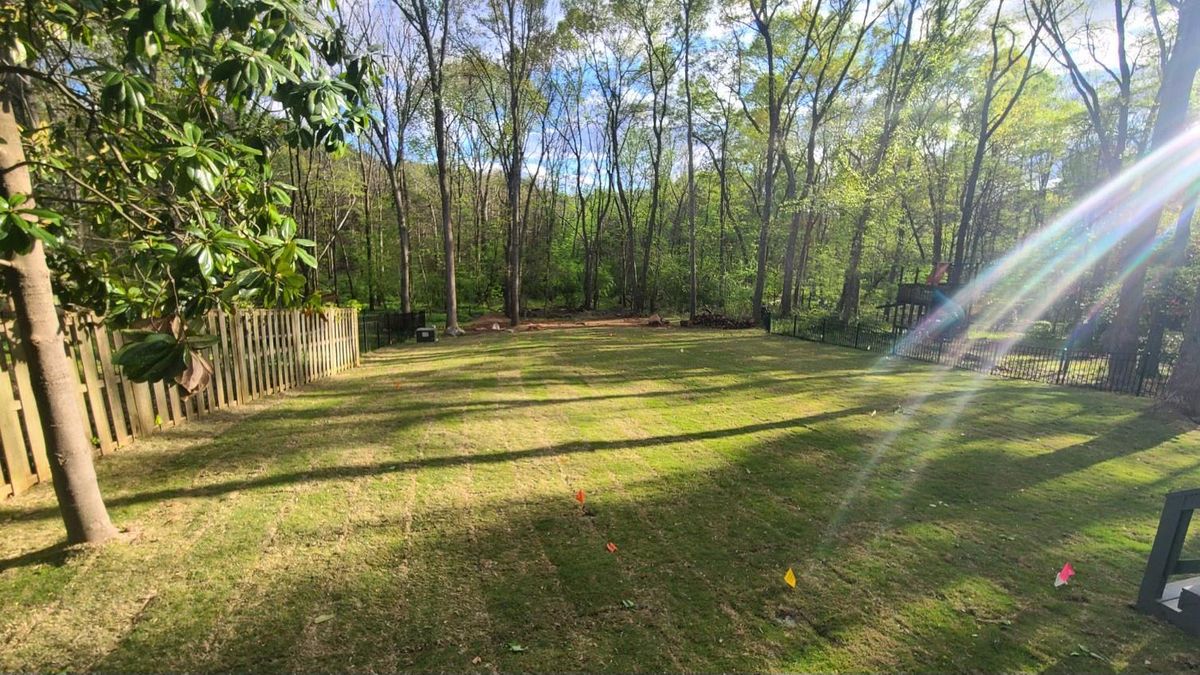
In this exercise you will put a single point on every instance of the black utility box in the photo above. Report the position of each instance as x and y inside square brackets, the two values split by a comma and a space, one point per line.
[427, 334]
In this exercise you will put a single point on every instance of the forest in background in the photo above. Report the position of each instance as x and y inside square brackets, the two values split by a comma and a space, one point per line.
[798, 155]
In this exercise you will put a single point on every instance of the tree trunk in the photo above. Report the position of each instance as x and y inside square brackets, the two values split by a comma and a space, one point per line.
[968, 201]
[1183, 388]
[402, 207]
[768, 196]
[1175, 257]
[764, 227]
[852, 282]
[439, 133]
[55, 381]
[643, 288]
[362, 167]
[513, 184]
[693, 286]
[1178, 76]
[789, 253]
[512, 248]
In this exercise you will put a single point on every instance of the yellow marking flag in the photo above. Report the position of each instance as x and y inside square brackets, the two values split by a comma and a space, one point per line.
[790, 578]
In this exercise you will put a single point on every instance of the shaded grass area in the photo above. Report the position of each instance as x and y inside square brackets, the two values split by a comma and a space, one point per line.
[418, 513]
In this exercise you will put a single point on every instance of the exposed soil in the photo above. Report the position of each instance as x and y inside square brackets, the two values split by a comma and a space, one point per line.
[497, 322]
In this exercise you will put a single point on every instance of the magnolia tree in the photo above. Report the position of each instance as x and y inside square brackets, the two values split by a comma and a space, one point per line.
[136, 141]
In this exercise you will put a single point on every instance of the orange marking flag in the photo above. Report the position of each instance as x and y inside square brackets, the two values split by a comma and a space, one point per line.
[612, 548]
[579, 496]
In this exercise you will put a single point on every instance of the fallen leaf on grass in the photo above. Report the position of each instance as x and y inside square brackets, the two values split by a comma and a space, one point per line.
[1084, 651]
[323, 618]
[516, 648]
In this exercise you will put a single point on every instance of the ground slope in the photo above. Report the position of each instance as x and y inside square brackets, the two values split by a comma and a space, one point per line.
[419, 512]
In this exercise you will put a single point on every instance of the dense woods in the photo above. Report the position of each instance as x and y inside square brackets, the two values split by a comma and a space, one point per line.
[525, 157]
[674, 156]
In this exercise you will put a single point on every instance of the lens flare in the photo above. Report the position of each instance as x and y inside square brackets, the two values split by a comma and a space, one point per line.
[1030, 279]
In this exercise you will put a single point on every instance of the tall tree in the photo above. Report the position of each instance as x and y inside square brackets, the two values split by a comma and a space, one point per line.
[906, 70]
[397, 100]
[1174, 98]
[690, 11]
[518, 29]
[783, 66]
[654, 23]
[1009, 68]
[431, 20]
[837, 50]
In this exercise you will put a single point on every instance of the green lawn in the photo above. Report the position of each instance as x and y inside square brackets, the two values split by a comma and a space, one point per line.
[419, 512]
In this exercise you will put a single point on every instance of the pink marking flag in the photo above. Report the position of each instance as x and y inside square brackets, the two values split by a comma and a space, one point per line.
[1064, 575]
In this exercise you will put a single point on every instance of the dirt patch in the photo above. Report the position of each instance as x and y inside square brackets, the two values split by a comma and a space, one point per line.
[495, 322]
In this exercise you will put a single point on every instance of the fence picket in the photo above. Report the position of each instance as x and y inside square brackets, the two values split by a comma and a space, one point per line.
[20, 475]
[91, 380]
[29, 406]
[112, 388]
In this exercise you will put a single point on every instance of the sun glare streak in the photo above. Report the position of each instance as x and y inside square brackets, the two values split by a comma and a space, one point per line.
[1040, 270]
[1048, 263]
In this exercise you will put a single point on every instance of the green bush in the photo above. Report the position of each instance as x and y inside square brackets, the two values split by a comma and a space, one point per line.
[1041, 330]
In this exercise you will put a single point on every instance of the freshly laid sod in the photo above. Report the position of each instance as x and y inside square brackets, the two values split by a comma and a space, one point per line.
[420, 513]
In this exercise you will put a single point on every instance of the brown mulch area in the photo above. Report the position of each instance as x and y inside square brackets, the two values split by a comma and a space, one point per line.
[495, 321]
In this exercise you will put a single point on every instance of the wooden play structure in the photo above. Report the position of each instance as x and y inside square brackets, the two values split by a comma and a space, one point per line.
[916, 299]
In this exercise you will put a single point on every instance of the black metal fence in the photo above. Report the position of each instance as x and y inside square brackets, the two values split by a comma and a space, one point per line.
[1125, 373]
[380, 329]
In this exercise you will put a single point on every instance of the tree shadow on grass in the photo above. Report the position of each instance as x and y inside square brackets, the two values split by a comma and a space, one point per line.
[375, 408]
[695, 583]
[54, 554]
[914, 571]
[344, 432]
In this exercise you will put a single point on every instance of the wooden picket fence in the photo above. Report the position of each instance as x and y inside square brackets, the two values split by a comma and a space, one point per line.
[259, 352]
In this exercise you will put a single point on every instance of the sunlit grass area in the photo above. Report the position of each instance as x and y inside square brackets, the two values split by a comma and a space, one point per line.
[420, 512]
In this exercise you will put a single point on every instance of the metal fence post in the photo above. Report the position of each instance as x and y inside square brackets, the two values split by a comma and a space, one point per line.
[1145, 361]
[857, 328]
[822, 329]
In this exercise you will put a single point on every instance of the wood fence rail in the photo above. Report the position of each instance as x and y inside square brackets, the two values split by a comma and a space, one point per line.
[259, 352]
